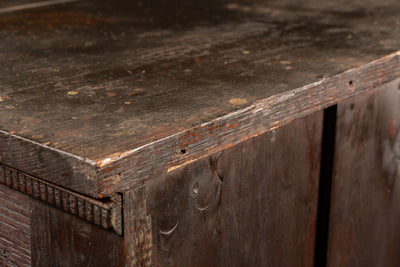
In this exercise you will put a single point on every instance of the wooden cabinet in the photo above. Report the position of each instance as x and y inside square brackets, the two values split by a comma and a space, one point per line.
[213, 133]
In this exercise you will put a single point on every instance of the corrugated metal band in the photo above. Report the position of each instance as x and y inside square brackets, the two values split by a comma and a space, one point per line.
[106, 215]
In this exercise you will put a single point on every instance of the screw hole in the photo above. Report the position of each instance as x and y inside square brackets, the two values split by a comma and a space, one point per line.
[183, 151]
[352, 105]
[350, 82]
[398, 87]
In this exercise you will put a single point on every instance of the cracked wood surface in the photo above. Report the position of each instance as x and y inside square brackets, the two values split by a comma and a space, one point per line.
[99, 97]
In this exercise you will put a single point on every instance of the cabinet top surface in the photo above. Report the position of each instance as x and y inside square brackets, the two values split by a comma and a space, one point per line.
[98, 78]
[94, 78]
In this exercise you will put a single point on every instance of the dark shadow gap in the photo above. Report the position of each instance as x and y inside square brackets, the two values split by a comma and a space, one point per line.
[325, 186]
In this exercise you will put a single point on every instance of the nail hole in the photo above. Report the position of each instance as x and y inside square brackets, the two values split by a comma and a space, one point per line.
[350, 82]
[398, 87]
[183, 151]
[352, 106]
[4, 253]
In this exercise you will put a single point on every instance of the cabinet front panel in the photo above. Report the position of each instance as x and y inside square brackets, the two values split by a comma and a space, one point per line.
[365, 210]
[253, 204]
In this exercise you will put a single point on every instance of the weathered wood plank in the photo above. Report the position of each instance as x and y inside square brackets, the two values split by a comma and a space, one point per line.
[18, 5]
[56, 166]
[60, 239]
[103, 81]
[137, 231]
[365, 211]
[15, 237]
[166, 154]
[253, 204]
[105, 214]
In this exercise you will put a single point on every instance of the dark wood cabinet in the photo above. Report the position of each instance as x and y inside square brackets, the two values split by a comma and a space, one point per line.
[213, 133]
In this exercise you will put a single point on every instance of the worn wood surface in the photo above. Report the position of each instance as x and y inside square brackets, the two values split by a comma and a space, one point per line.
[105, 214]
[18, 5]
[95, 83]
[15, 237]
[60, 239]
[365, 213]
[137, 228]
[252, 205]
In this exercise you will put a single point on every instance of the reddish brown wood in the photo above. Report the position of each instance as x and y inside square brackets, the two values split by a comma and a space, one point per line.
[104, 214]
[159, 157]
[61, 239]
[254, 204]
[365, 213]
[15, 237]
[67, 170]
[19, 5]
[206, 117]
[99, 97]
[138, 228]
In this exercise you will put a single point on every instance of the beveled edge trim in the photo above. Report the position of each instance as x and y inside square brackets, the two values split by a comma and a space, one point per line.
[106, 215]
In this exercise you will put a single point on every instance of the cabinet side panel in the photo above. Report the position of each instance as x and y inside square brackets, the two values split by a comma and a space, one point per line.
[365, 211]
[15, 241]
[61, 239]
[253, 204]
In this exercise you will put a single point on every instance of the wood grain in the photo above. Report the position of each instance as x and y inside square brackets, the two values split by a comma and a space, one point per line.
[365, 210]
[15, 237]
[103, 214]
[137, 228]
[108, 84]
[75, 173]
[30, 5]
[60, 239]
[161, 156]
[252, 204]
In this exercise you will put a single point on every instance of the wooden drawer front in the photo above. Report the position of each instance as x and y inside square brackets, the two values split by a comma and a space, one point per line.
[365, 210]
[254, 204]
[15, 238]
